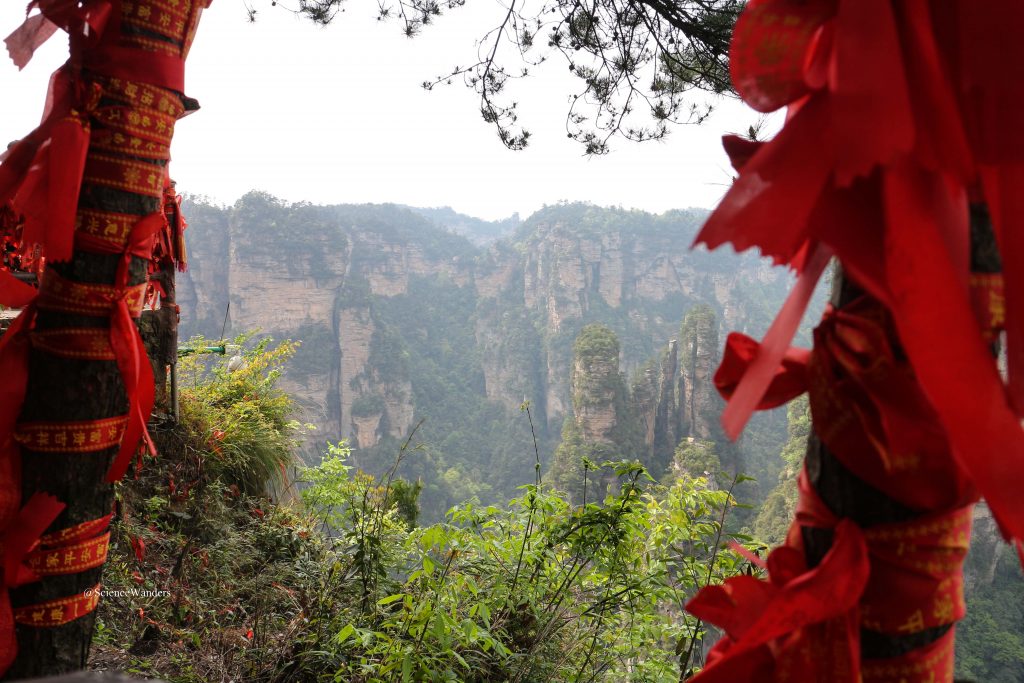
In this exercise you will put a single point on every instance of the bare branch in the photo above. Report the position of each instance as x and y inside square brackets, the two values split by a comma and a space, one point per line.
[637, 60]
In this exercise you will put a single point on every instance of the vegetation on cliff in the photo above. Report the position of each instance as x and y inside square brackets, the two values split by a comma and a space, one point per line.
[212, 580]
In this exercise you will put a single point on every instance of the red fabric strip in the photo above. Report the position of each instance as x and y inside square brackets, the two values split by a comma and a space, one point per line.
[85, 343]
[930, 664]
[871, 116]
[138, 177]
[759, 374]
[768, 206]
[73, 558]
[41, 173]
[142, 66]
[756, 613]
[1002, 186]
[71, 437]
[85, 20]
[13, 292]
[60, 611]
[130, 350]
[20, 536]
[922, 273]
[789, 381]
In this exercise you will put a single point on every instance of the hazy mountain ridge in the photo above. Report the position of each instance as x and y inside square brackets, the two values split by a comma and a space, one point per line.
[477, 230]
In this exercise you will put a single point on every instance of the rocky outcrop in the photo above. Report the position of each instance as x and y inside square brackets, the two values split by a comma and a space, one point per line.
[367, 430]
[666, 418]
[700, 353]
[355, 327]
[987, 549]
[645, 394]
[597, 387]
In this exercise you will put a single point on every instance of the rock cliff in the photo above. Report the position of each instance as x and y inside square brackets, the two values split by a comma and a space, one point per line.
[402, 319]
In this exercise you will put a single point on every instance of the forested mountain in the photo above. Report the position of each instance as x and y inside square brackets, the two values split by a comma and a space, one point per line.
[402, 319]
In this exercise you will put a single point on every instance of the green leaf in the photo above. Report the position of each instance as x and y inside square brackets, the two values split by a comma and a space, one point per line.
[390, 599]
[344, 633]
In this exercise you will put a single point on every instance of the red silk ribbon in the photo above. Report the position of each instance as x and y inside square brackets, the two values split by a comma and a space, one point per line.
[81, 20]
[42, 173]
[788, 382]
[763, 367]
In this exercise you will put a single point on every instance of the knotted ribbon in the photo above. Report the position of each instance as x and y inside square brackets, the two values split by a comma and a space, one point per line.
[803, 620]
[804, 623]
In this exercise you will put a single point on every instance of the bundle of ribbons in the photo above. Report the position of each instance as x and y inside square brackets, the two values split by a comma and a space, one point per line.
[901, 114]
[104, 140]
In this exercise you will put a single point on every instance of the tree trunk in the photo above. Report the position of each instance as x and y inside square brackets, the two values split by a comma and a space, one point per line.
[130, 115]
[848, 496]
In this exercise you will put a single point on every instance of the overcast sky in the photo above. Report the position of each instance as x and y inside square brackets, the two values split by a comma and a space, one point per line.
[336, 114]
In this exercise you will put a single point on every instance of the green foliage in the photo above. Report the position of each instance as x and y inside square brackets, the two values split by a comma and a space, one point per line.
[698, 458]
[206, 582]
[316, 352]
[539, 590]
[596, 343]
[775, 515]
[206, 577]
[465, 327]
[596, 380]
[574, 469]
[470, 446]
[405, 497]
[990, 639]
[367, 405]
[241, 416]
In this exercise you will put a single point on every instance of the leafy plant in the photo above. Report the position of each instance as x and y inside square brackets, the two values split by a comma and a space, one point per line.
[241, 414]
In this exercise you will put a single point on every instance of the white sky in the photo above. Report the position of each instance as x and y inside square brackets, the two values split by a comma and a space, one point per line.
[336, 115]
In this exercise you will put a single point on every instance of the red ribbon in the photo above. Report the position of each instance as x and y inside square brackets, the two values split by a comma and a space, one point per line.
[804, 623]
[773, 625]
[127, 344]
[81, 20]
[763, 367]
[42, 173]
[788, 382]
[21, 536]
[125, 341]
